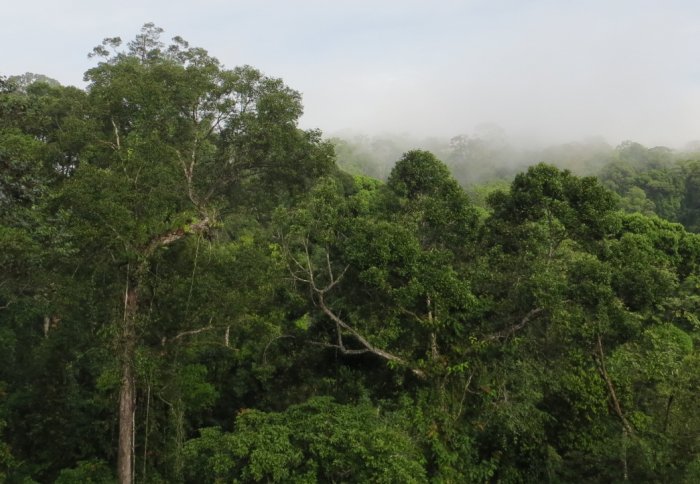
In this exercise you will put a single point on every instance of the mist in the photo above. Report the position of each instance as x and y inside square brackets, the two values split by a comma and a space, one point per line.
[545, 72]
[545, 81]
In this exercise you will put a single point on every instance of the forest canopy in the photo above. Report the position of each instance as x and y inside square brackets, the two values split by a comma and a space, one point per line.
[194, 290]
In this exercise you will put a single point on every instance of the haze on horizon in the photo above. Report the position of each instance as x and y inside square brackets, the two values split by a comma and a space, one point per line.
[544, 71]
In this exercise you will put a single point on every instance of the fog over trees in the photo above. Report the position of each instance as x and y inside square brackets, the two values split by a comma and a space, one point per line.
[546, 72]
[194, 288]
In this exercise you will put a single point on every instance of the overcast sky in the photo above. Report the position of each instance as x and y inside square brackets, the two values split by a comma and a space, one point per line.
[549, 70]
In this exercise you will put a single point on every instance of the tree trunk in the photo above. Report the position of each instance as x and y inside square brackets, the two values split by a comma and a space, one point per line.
[127, 392]
[127, 347]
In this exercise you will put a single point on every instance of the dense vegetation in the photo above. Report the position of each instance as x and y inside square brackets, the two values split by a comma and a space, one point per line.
[193, 291]
[656, 180]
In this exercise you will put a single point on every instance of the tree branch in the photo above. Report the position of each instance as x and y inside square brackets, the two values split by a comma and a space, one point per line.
[419, 319]
[367, 345]
[464, 396]
[516, 327]
[187, 333]
[342, 349]
[116, 135]
[341, 325]
[600, 357]
[176, 234]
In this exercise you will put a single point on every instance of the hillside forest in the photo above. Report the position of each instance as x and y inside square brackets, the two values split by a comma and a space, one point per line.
[194, 289]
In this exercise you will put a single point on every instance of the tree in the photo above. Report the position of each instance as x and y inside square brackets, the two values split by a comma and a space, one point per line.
[319, 440]
[177, 136]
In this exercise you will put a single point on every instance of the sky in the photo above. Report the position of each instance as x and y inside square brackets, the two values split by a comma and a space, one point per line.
[543, 70]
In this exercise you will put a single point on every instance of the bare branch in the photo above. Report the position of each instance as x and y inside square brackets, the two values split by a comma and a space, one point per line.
[215, 124]
[188, 170]
[187, 333]
[516, 327]
[116, 135]
[318, 297]
[108, 143]
[309, 270]
[298, 264]
[600, 360]
[297, 277]
[464, 396]
[328, 264]
[342, 349]
[367, 345]
[308, 265]
[176, 234]
[334, 282]
[411, 313]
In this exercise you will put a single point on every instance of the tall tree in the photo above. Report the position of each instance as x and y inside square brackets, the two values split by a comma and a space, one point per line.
[177, 136]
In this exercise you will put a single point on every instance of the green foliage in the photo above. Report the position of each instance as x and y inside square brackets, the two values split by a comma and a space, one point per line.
[88, 472]
[418, 173]
[654, 181]
[172, 220]
[7, 461]
[317, 441]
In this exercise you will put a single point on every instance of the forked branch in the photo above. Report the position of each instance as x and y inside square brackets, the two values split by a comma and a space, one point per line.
[304, 271]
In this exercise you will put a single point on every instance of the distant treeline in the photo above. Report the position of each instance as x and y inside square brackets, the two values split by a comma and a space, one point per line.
[655, 180]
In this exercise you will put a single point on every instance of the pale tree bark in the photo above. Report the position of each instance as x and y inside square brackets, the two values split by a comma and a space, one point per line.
[600, 359]
[627, 429]
[434, 351]
[305, 272]
[128, 341]
[127, 391]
